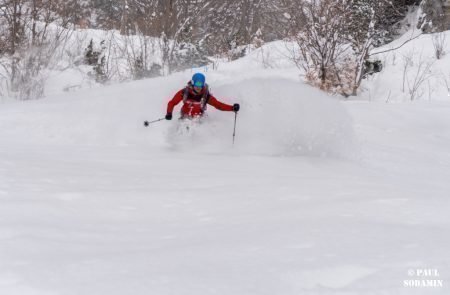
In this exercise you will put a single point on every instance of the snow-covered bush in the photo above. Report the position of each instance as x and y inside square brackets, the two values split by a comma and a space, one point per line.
[318, 30]
[416, 71]
[334, 39]
[91, 55]
[27, 69]
[95, 57]
[439, 44]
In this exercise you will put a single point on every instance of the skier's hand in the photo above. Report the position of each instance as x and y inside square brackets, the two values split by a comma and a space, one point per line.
[146, 123]
[169, 116]
[236, 107]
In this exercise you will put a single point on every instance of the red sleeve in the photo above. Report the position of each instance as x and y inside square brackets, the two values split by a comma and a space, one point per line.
[219, 105]
[175, 100]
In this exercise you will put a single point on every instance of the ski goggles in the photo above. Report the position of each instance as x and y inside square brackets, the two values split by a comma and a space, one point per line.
[199, 84]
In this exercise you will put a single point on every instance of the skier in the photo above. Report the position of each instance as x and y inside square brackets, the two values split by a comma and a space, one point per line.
[196, 97]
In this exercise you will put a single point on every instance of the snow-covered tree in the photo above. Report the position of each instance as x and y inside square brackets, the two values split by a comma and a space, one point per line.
[28, 43]
[433, 18]
[77, 12]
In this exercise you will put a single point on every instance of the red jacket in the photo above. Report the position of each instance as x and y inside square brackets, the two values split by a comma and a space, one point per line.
[195, 104]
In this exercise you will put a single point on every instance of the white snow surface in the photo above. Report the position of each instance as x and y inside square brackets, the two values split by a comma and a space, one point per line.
[317, 195]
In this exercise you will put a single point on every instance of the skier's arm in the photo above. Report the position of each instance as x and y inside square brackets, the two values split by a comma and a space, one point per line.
[174, 101]
[219, 105]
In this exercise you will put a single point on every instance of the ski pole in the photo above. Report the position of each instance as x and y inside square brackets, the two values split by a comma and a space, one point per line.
[234, 130]
[147, 123]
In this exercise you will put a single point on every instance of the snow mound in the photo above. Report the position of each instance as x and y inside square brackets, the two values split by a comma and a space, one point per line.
[278, 118]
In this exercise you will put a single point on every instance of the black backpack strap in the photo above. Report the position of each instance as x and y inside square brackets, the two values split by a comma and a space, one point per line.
[186, 93]
[205, 98]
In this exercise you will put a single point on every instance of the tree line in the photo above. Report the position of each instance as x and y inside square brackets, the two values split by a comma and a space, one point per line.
[202, 28]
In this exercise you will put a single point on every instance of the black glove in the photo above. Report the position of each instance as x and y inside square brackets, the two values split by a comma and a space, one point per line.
[146, 123]
[236, 107]
[169, 116]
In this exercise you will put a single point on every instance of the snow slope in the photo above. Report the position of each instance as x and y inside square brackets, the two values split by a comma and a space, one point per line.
[316, 197]
[404, 67]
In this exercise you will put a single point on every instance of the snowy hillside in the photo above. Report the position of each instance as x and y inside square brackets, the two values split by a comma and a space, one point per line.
[412, 67]
[317, 196]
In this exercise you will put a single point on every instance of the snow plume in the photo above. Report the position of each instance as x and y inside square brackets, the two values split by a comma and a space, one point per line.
[277, 117]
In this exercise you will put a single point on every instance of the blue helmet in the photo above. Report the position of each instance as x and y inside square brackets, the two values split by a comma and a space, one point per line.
[198, 80]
